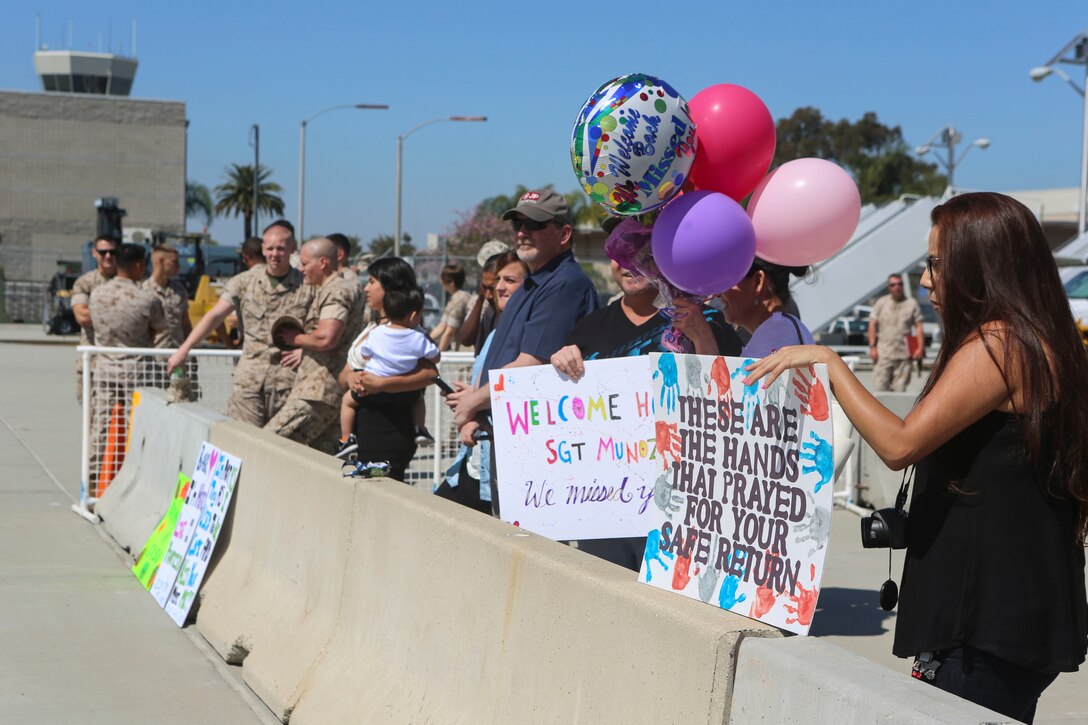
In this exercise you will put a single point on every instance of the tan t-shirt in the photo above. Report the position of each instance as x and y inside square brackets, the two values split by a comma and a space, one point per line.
[895, 321]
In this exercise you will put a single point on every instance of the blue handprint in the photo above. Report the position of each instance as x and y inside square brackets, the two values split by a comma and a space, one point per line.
[670, 385]
[751, 393]
[822, 457]
[653, 553]
[727, 597]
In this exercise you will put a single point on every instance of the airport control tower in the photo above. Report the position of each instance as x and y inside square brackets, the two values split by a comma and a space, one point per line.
[73, 71]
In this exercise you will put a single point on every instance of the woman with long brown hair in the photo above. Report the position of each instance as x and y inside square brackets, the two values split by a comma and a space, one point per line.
[993, 598]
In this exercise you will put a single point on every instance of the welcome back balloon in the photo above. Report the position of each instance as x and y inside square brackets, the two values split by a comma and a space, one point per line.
[633, 144]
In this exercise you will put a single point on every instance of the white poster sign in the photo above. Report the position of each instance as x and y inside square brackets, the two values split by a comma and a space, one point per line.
[749, 472]
[576, 460]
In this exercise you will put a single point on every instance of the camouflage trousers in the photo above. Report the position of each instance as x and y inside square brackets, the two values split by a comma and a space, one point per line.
[892, 374]
[310, 422]
[259, 392]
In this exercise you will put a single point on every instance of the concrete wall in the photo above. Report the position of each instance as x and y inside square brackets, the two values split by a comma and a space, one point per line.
[59, 152]
[164, 441]
[368, 601]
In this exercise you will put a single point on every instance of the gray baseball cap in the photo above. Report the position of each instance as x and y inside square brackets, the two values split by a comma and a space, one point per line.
[541, 205]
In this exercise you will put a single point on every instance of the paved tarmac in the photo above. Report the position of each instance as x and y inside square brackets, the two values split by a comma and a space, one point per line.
[83, 643]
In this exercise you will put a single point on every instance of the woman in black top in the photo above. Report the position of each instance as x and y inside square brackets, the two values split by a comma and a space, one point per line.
[384, 424]
[993, 599]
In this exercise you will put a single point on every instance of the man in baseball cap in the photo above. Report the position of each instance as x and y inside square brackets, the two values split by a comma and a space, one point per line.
[555, 295]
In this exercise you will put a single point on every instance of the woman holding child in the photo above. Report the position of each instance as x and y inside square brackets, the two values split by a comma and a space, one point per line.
[993, 597]
[380, 402]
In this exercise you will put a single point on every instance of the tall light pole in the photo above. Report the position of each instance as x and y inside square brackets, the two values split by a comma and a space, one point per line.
[947, 138]
[1074, 53]
[302, 155]
[400, 154]
[255, 141]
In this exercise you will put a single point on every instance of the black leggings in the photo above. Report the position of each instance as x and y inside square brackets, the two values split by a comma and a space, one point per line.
[386, 431]
[992, 682]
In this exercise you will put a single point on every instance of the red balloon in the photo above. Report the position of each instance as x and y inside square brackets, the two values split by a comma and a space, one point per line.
[736, 140]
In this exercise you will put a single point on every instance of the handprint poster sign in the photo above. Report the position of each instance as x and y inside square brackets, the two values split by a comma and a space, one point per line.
[579, 460]
[196, 529]
[743, 489]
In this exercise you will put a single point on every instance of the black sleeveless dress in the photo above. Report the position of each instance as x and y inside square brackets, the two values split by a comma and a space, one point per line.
[991, 560]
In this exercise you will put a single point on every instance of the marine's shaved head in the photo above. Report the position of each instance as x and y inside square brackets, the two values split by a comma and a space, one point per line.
[322, 247]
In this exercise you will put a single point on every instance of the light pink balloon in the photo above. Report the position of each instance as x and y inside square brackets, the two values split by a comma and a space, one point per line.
[803, 212]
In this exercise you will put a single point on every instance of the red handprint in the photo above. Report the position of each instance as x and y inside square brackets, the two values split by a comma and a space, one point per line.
[668, 442]
[765, 601]
[719, 375]
[680, 575]
[804, 602]
[812, 395]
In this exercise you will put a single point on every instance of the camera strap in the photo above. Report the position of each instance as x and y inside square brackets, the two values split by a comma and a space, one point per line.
[901, 497]
[889, 592]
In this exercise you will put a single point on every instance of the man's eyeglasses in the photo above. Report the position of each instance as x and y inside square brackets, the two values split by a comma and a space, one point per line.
[106, 252]
[930, 261]
[528, 225]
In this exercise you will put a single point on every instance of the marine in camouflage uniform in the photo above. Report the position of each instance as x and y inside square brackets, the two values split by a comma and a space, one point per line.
[124, 315]
[312, 409]
[261, 383]
[81, 295]
[175, 304]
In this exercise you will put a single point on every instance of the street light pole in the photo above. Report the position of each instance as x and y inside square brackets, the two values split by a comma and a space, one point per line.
[949, 137]
[1074, 53]
[400, 156]
[302, 156]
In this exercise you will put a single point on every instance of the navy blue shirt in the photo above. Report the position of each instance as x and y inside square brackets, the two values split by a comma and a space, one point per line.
[541, 313]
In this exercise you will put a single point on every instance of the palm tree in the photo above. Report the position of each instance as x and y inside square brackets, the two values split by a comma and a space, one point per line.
[234, 197]
[198, 202]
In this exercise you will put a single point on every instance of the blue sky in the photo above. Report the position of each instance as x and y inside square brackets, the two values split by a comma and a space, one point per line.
[529, 67]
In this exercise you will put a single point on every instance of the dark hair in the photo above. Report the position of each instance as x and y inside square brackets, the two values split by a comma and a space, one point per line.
[393, 273]
[253, 248]
[400, 303]
[283, 224]
[106, 238]
[896, 275]
[507, 258]
[130, 255]
[778, 276]
[454, 273]
[340, 241]
[492, 263]
[995, 266]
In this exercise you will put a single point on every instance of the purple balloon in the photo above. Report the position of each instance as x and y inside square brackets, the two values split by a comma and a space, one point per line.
[703, 242]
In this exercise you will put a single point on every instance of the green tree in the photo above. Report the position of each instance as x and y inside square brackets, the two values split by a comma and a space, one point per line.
[876, 155]
[234, 197]
[382, 245]
[198, 203]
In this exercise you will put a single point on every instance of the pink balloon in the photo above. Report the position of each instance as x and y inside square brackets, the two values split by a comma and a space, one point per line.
[803, 212]
[736, 139]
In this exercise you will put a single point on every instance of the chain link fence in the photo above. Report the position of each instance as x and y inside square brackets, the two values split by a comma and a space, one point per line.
[111, 377]
[25, 301]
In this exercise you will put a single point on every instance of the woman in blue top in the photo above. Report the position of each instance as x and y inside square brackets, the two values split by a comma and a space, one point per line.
[993, 600]
[758, 303]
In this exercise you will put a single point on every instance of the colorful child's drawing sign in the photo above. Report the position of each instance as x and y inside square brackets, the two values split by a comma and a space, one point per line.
[147, 564]
[576, 460]
[194, 535]
[747, 474]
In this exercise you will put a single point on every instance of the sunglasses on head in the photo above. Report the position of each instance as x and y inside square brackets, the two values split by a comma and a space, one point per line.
[528, 225]
[110, 251]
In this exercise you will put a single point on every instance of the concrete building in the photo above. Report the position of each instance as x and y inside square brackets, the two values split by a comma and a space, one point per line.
[62, 150]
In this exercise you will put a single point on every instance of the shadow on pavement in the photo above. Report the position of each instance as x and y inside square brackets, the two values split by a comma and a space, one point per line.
[849, 613]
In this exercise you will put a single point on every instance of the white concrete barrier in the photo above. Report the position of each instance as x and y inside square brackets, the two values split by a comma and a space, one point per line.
[806, 680]
[450, 616]
[270, 601]
[164, 438]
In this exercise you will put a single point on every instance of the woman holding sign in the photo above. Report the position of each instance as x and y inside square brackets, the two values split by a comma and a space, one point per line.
[993, 597]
